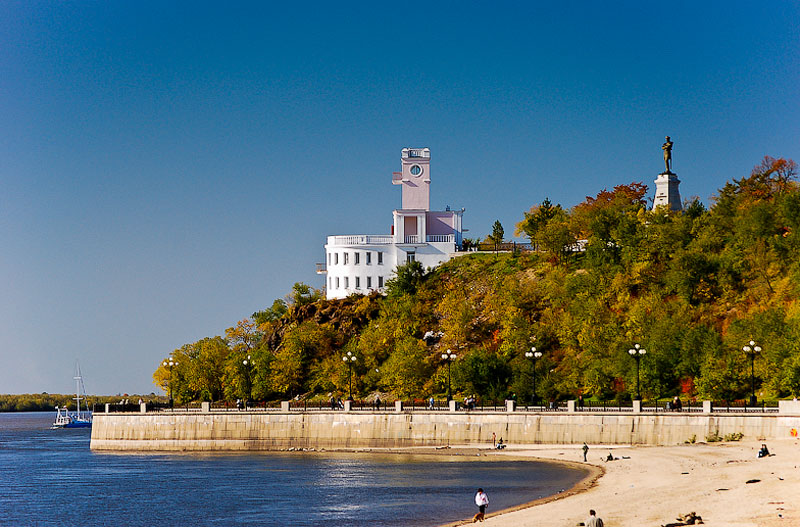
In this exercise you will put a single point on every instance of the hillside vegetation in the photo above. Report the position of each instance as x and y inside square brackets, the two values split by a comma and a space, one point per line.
[692, 288]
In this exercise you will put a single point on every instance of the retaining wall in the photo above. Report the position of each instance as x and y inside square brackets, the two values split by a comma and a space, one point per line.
[226, 431]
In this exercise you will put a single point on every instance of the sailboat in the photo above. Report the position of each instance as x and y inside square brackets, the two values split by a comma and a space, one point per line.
[81, 418]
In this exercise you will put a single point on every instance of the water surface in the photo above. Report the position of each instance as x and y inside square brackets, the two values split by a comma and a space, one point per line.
[51, 478]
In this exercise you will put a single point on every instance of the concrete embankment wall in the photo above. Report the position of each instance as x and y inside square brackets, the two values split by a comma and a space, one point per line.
[226, 431]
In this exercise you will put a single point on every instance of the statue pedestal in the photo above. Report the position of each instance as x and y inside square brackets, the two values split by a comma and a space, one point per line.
[667, 193]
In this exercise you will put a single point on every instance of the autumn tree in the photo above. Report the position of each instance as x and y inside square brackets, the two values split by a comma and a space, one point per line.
[691, 286]
[548, 227]
[240, 367]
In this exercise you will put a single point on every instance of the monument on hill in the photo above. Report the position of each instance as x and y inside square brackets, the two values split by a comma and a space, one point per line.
[667, 182]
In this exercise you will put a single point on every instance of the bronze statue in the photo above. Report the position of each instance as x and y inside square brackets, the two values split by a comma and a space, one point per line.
[667, 148]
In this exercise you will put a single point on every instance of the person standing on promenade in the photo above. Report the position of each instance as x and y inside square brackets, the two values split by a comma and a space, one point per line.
[585, 450]
[593, 520]
[482, 501]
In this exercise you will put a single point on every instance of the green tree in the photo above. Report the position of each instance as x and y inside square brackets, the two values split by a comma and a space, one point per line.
[548, 227]
[272, 313]
[406, 280]
[301, 295]
[483, 372]
[496, 237]
[407, 370]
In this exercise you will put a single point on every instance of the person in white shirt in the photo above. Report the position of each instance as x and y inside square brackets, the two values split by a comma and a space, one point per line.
[481, 500]
[593, 520]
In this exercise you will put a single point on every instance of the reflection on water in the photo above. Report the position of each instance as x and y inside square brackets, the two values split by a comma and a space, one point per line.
[51, 478]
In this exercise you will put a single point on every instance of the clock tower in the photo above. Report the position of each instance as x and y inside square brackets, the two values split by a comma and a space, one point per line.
[415, 178]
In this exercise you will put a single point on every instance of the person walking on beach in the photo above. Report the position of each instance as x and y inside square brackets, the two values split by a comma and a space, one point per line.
[585, 450]
[593, 520]
[482, 501]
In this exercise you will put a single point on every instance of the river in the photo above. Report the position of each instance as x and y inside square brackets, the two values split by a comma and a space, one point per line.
[52, 478]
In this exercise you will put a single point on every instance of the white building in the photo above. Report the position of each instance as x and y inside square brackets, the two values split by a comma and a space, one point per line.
[361, 263]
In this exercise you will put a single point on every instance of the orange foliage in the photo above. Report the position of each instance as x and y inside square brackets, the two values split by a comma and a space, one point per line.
[632, 194]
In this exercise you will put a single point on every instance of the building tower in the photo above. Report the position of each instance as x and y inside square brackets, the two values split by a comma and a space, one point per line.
[667, 182]
[415, 178]
[362, 263]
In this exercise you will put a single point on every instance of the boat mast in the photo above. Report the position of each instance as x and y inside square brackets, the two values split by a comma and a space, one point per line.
[78, 387]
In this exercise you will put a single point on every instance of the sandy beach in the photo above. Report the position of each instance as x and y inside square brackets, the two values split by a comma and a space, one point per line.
[652, 486]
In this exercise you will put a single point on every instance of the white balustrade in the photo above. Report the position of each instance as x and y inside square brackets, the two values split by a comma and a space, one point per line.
[361, 239]
[416, 152]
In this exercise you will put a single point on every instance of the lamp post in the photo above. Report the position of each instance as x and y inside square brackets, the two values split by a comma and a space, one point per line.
[637, 352]
[448, 357]
[349, 358]
[169, 364]
[534, 355]
[248, 364]
[752, 349]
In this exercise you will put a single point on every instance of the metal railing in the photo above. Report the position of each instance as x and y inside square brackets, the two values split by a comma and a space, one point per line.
[542, 407]
[500, 247]
[439, 405]
[742, 407]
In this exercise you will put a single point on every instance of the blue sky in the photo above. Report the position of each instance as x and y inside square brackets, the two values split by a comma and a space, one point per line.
[168, 168]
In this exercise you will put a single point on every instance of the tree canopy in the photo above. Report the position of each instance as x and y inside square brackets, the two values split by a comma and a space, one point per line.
[692, 287]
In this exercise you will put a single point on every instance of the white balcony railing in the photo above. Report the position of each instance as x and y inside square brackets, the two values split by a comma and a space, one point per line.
[387, 239]
[361, 239]
[416, 152]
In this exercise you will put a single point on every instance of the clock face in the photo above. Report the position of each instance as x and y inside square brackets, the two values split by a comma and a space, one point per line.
[416, 170]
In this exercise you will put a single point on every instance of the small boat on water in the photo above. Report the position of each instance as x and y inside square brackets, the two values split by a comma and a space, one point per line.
[80, 418]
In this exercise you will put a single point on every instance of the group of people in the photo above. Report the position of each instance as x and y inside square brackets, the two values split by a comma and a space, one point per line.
[499, 445]
[470, 402]
[675, 405]
[338, 404]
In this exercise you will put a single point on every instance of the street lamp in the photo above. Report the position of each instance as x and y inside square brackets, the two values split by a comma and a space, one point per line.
[248, 364]
[448, 356]
[169, 364]
[349, 358]
[637, 352]
[752, 349]
[534, 355]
